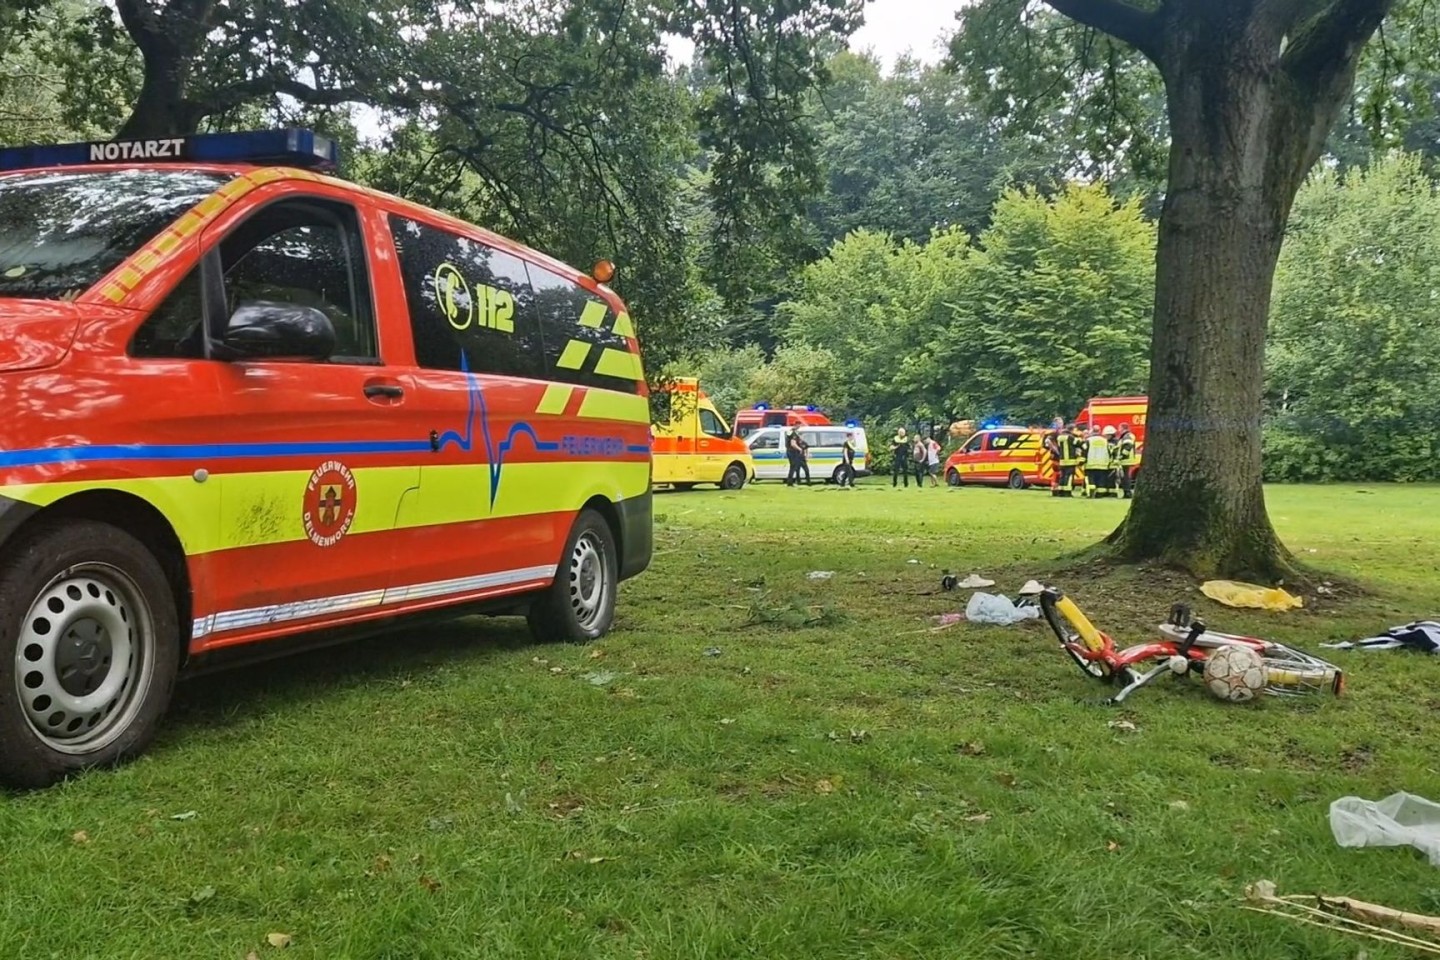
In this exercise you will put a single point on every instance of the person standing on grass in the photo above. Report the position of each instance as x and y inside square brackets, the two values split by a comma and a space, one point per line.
[804, 449]
[932, 460]
[847, 462]
[899, 458]
[1125, 453]
[918, 458]
[792, 454]
[1051, 445]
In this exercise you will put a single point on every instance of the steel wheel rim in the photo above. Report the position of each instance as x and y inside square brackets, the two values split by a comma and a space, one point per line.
[589, 581]
[84, 658]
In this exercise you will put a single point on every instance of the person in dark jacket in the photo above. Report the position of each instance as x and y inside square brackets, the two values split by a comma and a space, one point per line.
[900, 458]
[847, 462]
[793, 454]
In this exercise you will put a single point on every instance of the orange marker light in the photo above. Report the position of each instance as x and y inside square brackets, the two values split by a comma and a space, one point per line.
[604, 271]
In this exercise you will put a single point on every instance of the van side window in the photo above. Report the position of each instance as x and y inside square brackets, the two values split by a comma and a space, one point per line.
[581, 345]
[174, 329]
[711, 424]
[466, 297]
[1004, 441]
[768, 442]
[832, 438]
[304, 252]
[976, 442]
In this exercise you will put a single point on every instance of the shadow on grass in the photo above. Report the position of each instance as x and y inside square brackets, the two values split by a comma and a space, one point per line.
[404, 652]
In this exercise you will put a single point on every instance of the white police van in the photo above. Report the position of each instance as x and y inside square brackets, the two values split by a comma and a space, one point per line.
[825, 454]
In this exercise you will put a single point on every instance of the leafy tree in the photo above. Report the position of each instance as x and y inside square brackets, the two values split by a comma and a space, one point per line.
[724, 374]
[1056, 309]
[856, 304]
[800, 373]
[1253, 89]
[1352, 387]
[904, 154]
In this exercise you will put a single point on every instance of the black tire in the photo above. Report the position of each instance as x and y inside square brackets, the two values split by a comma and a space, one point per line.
[734, 478]
[66, 702]
[564, 612]
[952, 477]
[1017, 480]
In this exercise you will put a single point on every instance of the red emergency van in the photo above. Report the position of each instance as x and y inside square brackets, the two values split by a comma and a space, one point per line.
[762, 415]
[246, 401]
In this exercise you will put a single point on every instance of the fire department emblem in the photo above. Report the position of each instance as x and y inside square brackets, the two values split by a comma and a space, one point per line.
[329, 503]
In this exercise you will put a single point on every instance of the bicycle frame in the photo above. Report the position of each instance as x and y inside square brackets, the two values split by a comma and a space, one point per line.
[1182, 649]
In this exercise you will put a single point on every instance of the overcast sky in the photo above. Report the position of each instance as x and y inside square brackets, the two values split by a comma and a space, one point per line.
[891, 28]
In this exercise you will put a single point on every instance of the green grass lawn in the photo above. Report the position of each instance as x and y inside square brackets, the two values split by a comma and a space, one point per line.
[857, 785]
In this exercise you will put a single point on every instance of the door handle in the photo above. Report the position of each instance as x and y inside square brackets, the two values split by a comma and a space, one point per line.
[391, 391]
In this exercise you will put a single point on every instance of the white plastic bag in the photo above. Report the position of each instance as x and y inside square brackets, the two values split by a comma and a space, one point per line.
[989, 608]
[1401, 819]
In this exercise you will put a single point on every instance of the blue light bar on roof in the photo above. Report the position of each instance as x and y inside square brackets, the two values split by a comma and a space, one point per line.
[290, 147]
[762, 406]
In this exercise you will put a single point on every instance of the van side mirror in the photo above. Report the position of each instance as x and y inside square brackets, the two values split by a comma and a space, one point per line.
[269, 330]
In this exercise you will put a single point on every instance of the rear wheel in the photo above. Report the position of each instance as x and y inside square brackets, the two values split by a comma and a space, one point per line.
[89, 648]
[580, 605]
[1017, 480]
[952, 477]
[734, 477]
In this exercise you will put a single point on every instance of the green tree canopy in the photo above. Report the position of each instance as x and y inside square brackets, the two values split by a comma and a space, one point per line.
[1355, 329]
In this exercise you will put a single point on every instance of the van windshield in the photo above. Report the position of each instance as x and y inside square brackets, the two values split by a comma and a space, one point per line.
[60, 232]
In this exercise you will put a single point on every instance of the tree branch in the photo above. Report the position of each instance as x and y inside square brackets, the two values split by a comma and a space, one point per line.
[1126, 23]
[1331, 39]
[141, 22]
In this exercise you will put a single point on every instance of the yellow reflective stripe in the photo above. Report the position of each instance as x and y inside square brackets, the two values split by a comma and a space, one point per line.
[1117, 408]
[623, 326]
[621, 364]
[113, 292]
[609, 405]
[461, 493]
[593, 315]
[268, 508]
[574, 356]
[556, 399]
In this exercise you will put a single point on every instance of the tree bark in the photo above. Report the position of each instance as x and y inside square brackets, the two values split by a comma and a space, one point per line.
[1245, 132]
[161, 109]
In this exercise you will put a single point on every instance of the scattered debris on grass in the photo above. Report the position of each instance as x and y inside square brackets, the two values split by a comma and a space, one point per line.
[1348, 916]
[1422, 635]
[601, 678]
[1124, 726]
[713, 651]
[793, 613]
[1400, 820]
[820, 574]
[187, 815]
[80, 838]
[972, 749]
[279, 940]
[1233, 593]
[994, 609]
[947, 620]
[440, 824]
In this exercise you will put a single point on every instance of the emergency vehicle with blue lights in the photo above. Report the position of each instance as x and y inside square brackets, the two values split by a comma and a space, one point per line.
[247, 401]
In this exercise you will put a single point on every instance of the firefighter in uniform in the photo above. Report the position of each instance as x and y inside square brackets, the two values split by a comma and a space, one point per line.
[1100, 453]
[1125, 453]
[1068, 456]
[1050, 444]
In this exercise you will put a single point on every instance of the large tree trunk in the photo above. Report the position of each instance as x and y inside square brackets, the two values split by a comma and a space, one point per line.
[161, 110]
[1244, 136]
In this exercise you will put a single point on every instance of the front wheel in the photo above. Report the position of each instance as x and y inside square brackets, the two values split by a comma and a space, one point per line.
[1017, 480]
[734, 478]
[952, 477]
[580, 605]
[89, 649]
